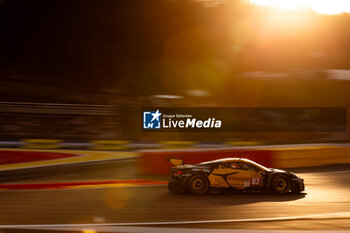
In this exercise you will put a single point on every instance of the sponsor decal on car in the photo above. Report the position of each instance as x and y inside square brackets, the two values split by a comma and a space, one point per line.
[200, 169]
[255, 180]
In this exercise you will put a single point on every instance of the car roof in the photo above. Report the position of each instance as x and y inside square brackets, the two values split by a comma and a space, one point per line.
[224, 160]
[227, 160]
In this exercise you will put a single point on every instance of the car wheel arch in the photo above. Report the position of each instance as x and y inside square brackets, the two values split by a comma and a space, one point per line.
[271, 177]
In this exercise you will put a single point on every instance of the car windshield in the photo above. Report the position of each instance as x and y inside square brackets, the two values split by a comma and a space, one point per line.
[259, 166]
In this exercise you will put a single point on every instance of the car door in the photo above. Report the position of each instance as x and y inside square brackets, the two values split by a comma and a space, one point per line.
[243, 176]
[217, 177]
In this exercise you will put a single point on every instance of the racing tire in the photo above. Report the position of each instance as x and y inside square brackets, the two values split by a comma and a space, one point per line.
[198, 185]
[281, 184]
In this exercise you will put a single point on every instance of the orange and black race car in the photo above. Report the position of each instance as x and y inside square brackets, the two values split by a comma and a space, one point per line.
[236, 174]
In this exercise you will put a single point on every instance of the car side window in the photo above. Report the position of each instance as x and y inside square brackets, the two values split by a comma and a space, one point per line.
[233, 165]
[247, 166]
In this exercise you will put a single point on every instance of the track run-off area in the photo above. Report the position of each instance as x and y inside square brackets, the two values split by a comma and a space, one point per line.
[149, 207]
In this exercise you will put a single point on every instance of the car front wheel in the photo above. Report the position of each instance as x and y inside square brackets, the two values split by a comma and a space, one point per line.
[280, 184]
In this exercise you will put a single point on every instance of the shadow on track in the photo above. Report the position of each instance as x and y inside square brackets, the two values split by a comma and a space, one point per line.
[228, 198]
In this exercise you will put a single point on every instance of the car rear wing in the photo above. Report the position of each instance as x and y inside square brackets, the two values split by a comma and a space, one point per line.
[175, 161]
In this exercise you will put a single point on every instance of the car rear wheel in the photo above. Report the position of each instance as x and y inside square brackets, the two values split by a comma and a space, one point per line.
[198, 185]
[280, 184]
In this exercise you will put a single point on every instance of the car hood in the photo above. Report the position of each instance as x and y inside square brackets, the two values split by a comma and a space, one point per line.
[277, 170]
[291, 174]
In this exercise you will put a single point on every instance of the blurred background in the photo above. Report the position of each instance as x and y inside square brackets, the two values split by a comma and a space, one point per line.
[83, 69]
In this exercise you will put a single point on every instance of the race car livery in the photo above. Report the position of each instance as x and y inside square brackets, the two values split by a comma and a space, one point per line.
[231, 173]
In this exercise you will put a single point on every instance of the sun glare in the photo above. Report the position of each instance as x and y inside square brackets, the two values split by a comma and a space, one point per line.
[319, 6]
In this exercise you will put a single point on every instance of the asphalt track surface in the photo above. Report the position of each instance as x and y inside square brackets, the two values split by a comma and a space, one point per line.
[324, 206]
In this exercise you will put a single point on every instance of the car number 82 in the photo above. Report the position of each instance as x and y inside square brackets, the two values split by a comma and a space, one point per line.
[255, 180]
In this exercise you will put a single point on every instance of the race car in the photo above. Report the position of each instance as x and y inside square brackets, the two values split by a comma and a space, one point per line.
[237, 174]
